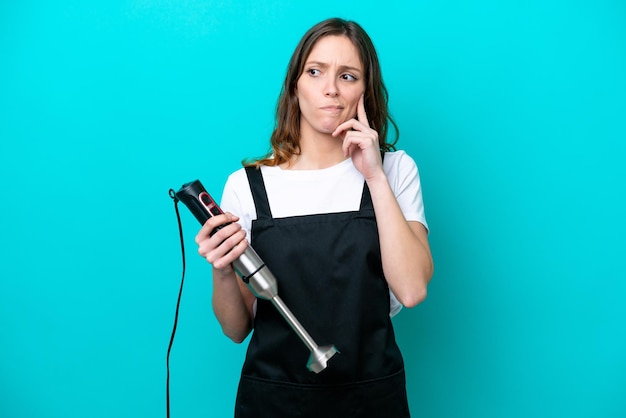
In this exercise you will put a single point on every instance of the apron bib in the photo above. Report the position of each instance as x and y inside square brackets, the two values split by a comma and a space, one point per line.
[329, 273]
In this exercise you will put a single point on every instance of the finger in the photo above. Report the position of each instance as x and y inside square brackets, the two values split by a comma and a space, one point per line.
[232, 248]
[341, 129]
[348, 149]
[214, 222]
[348, 125]
[353, 140]
[226, 252]
[361, 111]
[226, 244]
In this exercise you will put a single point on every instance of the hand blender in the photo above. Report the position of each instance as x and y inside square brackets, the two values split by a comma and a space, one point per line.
[254, 273]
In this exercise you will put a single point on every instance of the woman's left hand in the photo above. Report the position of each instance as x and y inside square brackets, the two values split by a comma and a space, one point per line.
[360, 142]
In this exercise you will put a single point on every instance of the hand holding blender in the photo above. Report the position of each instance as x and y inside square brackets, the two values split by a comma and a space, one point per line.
[254, 273]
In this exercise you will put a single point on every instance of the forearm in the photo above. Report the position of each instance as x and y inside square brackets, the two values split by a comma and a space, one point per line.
[232, 305]
[406, 258]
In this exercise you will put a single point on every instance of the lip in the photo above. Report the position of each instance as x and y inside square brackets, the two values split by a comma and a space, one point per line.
[332, 109]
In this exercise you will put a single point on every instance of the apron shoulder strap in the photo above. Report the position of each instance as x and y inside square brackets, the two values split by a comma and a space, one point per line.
[259, 194]
[366, 198]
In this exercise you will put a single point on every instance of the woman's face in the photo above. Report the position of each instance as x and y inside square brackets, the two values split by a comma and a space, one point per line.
[330, 86]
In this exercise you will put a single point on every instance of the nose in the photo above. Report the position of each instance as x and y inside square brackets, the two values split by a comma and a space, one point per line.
[330, 89]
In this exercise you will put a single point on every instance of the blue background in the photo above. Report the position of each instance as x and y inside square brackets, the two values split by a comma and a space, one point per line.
[514, 111]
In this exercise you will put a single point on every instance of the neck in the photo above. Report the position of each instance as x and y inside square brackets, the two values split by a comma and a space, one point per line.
[317, 151]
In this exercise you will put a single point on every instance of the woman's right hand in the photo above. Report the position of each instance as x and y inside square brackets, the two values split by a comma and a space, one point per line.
[225, 246]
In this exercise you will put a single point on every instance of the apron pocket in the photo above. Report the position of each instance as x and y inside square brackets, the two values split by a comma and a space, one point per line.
[262, 398]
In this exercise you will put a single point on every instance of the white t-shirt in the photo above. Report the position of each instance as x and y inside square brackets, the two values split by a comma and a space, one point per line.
[330, 190]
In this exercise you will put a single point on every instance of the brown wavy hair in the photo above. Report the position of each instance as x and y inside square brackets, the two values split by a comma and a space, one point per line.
[285, 140]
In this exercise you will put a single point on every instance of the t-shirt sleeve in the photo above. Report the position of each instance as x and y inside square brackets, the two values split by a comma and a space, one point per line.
[405, 181]
[237, 199]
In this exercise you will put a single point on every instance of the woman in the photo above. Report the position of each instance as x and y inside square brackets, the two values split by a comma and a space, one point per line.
[341, 229]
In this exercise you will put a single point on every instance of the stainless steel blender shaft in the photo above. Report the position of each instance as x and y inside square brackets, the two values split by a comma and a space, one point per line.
[319, 355]
[263, 284]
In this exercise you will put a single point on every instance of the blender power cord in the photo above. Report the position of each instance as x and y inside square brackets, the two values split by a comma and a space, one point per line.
[180, 293]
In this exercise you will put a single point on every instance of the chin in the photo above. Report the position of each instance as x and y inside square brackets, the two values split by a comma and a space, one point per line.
[327, 128]
[328, 131]
[330, 126]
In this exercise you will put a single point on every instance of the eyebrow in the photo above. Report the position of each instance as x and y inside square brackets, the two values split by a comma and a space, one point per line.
[324, 65]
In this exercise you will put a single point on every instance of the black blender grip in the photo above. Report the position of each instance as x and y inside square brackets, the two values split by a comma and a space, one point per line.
[199, 202]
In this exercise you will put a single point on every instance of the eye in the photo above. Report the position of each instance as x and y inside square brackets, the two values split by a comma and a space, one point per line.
[313, 72]
[348, 77]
